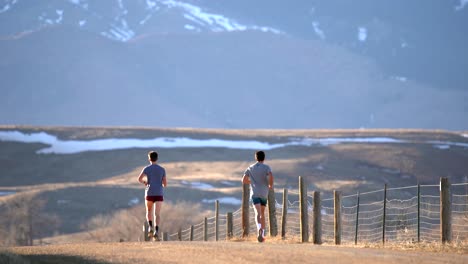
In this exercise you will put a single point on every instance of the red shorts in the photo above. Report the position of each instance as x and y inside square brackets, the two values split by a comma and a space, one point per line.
[156, 198]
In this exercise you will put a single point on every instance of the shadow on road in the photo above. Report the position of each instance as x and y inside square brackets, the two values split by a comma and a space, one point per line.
[11, 258]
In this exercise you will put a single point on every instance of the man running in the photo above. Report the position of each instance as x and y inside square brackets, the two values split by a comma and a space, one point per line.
[153, 177]
[260, 178]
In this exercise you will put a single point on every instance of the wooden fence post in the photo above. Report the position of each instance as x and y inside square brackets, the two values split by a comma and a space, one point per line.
[304, 216]
[191, 233]
[337, 214]
[165, 236]
[145, 231]
[205, 230]
[179, 234]
[245, 210]
[419, 213]
[216, 220]
[384, 213]
[356, 231]
[445, 211]
[284, 215]
[272, 213]
[229, 226]
[317, 224]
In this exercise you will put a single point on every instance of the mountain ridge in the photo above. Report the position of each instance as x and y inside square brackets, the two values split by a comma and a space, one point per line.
[210, 79]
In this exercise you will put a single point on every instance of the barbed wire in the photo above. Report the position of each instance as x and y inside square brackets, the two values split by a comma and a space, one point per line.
[410, 215]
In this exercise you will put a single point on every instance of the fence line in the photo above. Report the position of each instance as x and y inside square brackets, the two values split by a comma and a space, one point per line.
[403, 214]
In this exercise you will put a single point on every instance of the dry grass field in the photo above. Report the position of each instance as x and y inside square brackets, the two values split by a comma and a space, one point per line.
[85, 192]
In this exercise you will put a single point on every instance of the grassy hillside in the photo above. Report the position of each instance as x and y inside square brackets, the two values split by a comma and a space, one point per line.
[76, 188]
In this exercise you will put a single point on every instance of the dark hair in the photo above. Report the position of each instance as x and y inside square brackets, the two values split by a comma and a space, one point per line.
[153, 155]
[260, 155]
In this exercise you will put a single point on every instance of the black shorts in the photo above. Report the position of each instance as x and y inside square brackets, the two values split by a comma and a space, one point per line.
[261, 201]
[155, 198]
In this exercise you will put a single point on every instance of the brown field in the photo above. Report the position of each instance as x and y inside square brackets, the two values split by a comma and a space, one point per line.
[78, 188]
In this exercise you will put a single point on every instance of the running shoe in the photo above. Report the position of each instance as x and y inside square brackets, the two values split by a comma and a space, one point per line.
[260, 235]
[156, 236]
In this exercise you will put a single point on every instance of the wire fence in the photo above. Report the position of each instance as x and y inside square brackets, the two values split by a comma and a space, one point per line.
[404, 214]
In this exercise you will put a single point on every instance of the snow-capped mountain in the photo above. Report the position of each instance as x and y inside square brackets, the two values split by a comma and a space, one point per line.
[402, 36]
[366, 63]
[119, 20]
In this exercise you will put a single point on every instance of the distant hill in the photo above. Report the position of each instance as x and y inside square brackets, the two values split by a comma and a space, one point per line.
[81, 186]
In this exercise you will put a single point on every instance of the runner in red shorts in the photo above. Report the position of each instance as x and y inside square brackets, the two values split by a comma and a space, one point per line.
[153, 177]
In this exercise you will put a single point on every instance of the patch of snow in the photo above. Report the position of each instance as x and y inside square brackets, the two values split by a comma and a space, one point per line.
[267, 29]
[201, 185]
[317, 30]
[449, 144]
[362, 34]
[216, 22]
[120, 32]
[197, 185]
[60, 14]
[391, 171]
[150, 4]
[442, 146]
[193, 19]
[75, 146]
[8, 6]
[50, 21]
[224, 200]
[142, 22]
[133, 201]
[120, 2]
[81, 3]
[461, 5]
[230, 183]
[5, 8]
[400, 78]
[312, 10]
[403, 44]
[63, 201]
[191, 28]
[465, 135]
[334, 141]
[76, 2]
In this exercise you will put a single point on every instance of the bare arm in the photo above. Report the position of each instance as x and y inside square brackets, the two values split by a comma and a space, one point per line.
[164, 183]
[246, 179]
[270, 180]
[141, 178]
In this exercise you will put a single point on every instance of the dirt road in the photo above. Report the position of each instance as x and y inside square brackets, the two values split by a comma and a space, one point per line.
[222, 252]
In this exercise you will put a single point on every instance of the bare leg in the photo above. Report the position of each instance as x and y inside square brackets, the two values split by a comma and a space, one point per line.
[262, 215]
[258, 215]
[149, 210]
[157, 212]
[260, 220]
